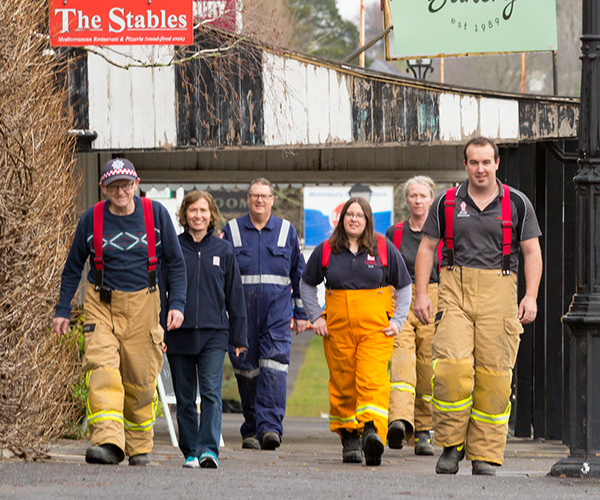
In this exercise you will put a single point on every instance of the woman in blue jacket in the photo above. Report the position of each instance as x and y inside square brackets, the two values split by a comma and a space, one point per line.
[215, 315]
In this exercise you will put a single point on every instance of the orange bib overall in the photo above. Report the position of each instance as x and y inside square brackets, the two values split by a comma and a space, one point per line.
[357, 353]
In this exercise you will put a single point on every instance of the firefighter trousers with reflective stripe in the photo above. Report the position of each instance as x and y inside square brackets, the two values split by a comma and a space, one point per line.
[410, 369]
[474, 349]
[357, 354]
[122, 360]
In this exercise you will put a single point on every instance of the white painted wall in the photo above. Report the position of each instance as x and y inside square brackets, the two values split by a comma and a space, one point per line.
[135, 107]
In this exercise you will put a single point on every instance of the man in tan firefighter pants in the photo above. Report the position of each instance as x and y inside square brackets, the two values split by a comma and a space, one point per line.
[126, 239]
[484, 224]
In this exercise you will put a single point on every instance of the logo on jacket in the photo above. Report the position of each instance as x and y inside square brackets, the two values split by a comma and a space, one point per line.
[370, 261]
[463, 210]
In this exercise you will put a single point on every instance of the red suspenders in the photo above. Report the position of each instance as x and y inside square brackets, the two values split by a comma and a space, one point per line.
[150, 238]
[399, 231]
[506, 227]
[381, 251]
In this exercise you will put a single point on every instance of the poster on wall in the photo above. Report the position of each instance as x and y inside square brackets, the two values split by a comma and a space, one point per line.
[322, 207]
[450, 27]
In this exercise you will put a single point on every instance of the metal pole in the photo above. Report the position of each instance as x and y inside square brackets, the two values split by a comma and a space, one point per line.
[583, 318]
[361, 41]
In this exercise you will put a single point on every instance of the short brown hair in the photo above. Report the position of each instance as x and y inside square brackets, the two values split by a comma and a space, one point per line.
[339, 239]
[479, 142]
[191, 198]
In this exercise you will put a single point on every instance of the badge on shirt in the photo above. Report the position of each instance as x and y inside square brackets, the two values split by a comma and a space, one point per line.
[463, 210]
[216, 260]
[370, 260]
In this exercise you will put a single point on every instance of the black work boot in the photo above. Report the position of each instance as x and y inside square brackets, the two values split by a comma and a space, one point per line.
[107, 454]
[270, 441]
[448, 461]
[372, 444]
[139, 460]
[423, 444]
[352, 449]
[481, 468]
[396, 434]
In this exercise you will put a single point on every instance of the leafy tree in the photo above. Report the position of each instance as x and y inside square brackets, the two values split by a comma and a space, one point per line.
[321, 31]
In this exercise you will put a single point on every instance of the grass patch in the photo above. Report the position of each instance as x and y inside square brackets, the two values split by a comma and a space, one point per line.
[310, 396]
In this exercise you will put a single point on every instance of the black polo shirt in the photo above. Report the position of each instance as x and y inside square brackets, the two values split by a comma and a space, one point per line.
[360, 271]
[408, 249]
[478, 233]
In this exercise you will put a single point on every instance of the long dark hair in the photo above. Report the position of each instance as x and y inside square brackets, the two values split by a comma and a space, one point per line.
[367, 240]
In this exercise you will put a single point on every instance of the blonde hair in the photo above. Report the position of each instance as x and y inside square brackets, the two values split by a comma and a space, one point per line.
[419, 179]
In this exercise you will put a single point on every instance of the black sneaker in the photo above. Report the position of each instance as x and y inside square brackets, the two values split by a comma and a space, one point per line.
[270, 441]
[372, 444]
[141, 460]
[396, 434]
[107, 454]
[448, 461]
[423, 444]
[481, 468]
[352, 449]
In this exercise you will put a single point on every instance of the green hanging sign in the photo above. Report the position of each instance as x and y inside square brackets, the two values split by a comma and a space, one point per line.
[425, 28]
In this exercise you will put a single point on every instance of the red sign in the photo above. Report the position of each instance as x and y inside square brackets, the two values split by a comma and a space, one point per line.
[225, 14]
[75, 23]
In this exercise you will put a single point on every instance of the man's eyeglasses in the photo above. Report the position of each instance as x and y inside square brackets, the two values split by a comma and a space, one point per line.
[112, 188]
[355, 216]
[259, 196]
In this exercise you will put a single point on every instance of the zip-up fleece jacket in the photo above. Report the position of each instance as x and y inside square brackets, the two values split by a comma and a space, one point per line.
[215, 298]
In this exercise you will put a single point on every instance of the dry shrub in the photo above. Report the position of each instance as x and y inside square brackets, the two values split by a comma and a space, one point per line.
[38, 189]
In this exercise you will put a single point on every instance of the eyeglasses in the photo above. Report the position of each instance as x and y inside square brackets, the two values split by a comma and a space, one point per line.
[259, 196]
[355, 216]
[111, 188]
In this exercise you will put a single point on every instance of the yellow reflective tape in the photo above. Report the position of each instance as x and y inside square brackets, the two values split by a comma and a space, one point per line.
[105, 415]
[426, 397]
[402, 386]
[144, 426]
[498, 419]
[373, 409]
[448, 406]
[343, 420]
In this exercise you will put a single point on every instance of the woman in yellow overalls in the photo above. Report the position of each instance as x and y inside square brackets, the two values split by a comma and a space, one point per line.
[358, 326]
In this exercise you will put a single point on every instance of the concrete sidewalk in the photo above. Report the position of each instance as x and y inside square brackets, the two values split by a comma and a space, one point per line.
[307, 465]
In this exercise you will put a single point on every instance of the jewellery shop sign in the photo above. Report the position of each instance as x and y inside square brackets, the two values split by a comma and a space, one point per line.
[75, 23]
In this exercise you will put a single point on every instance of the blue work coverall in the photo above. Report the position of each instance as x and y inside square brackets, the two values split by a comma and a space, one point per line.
[271, 265]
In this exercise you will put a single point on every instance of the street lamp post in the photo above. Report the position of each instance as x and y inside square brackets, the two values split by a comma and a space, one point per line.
[583, 318]
[361, 190]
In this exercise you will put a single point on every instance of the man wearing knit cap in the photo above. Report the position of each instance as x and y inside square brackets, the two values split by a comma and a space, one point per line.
[127, 239]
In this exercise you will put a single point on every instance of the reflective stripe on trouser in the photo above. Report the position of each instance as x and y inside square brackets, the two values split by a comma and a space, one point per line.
[261, 371]
[410, 370]
[474, 350]
[122, 361]
[357, 354]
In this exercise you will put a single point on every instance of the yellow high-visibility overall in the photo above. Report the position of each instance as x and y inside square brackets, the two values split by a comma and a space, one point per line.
[474, 348]
[357, 353]
[411, 371]
[122, 361]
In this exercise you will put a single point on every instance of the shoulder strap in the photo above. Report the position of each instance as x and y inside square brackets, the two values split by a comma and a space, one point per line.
[398, 232]
[98, 225]
[506, 229]
[326, 254]
[449, 216]
[439, 253]
[151, 241]
[382, 250]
